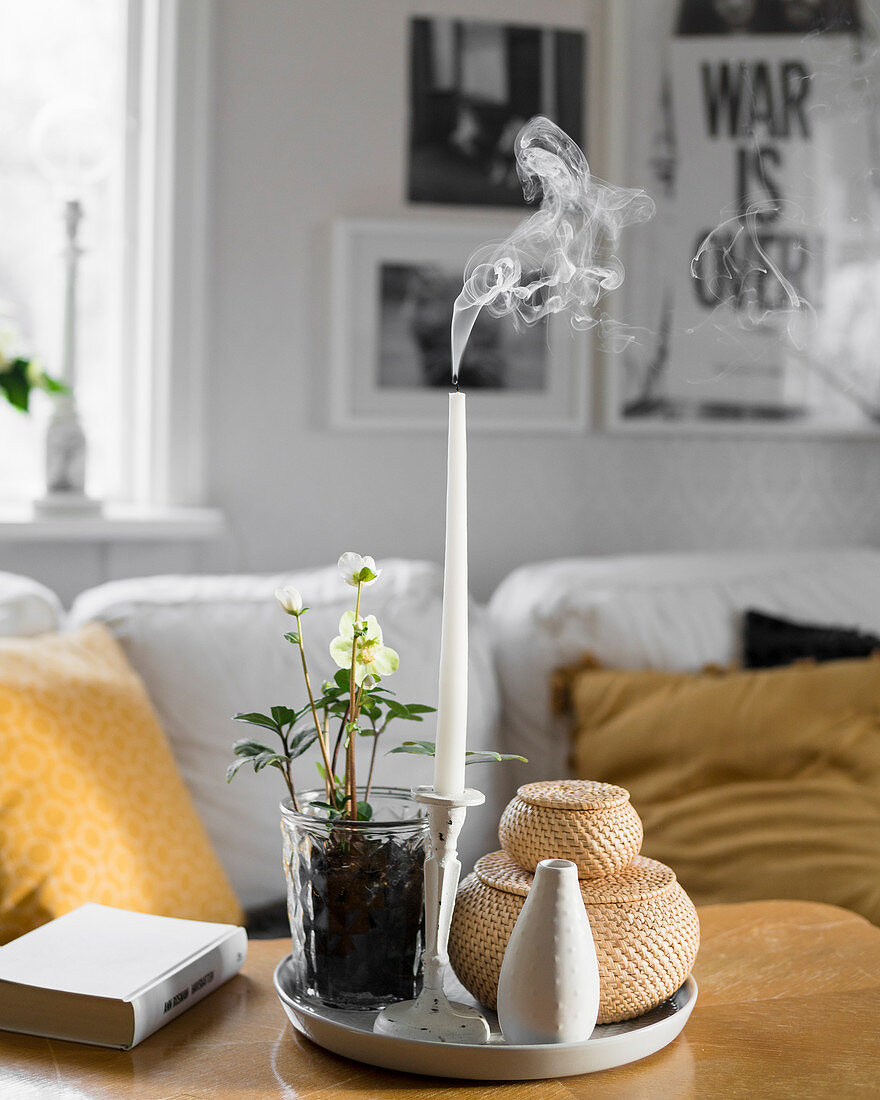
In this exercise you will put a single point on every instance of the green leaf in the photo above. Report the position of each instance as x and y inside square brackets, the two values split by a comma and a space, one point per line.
[292, 636]
[364, 811]
[232, 769]
[302, 742]
[324, 806]
[478, 756]
[397, 710]
[415, 748]
[284, 716]
[488, 756]
[343, 678]
[254, 718]
[420, 708]
[248, 747]
[266, 758]
[14, 383]
[322, 771]
[52, 385]
[336, 810]
[252, 752]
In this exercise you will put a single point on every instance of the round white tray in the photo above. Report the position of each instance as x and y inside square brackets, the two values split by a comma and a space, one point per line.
[350, 1033]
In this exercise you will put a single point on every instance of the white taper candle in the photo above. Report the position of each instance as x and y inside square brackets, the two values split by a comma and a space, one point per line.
[453, 693]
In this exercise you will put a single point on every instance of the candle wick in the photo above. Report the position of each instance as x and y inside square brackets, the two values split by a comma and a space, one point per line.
[457, 386]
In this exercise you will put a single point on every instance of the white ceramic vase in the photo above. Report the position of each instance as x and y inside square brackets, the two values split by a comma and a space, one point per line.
[548, 991]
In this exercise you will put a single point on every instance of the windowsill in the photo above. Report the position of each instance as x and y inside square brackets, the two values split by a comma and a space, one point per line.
[114, 523]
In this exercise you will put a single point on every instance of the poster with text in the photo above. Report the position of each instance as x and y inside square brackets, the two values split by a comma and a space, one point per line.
[755, 293]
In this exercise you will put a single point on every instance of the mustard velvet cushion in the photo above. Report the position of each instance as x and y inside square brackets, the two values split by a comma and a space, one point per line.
[750, 784]
[92, 807]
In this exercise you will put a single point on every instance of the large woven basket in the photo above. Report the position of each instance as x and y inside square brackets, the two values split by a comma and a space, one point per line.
[644, 925]
[592, 824]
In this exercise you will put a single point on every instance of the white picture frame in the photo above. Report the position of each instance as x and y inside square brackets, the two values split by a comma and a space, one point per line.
[737, 392]
[375, 384]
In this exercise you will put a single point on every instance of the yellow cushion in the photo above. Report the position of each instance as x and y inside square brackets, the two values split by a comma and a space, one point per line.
[750, 784]
[92, 807]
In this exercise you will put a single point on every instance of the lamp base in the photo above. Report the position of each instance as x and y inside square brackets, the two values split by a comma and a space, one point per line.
[58, 505]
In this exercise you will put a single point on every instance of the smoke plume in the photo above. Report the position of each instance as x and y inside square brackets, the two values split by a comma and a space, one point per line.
[738, 273]
[561, 258]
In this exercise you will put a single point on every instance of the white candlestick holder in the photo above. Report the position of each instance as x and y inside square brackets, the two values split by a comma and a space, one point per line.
[432, 1016]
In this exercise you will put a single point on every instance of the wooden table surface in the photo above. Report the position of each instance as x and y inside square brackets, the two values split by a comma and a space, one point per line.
[789, 1006]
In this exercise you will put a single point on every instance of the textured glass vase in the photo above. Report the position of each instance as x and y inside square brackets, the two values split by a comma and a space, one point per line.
[355, 900]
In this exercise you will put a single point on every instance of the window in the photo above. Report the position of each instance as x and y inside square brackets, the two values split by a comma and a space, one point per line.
[58, 53]
[144, 64]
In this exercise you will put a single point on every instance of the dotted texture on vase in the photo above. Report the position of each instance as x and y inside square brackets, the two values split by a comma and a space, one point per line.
[592, 824]
[92, 804]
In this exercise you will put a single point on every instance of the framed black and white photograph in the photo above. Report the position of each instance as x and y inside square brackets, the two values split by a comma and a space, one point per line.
[473, 85]
[754, 125]
[396, 283]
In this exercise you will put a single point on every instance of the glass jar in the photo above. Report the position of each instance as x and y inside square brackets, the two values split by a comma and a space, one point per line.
[355, 899]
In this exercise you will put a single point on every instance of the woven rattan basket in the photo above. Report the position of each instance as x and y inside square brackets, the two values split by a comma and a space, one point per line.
[644, 925]
[592, 824]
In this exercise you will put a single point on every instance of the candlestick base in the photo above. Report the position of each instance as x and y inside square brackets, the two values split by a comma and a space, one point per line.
[432, 1016]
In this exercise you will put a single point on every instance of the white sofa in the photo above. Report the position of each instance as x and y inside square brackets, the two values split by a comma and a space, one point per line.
[207, 647]
[667, 611]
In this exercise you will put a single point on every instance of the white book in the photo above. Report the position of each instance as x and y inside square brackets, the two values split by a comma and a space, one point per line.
[111, 976]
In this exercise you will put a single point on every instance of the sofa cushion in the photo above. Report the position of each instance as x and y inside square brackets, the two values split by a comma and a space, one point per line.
[92, 805]
[674, 611]
[209, 647]
[770, 640]
[27, 607]
[750, 784]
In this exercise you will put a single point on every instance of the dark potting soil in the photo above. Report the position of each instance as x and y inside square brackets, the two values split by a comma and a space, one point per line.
[362, 915]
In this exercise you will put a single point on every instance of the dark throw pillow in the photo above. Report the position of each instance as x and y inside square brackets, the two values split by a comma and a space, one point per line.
[769, 641]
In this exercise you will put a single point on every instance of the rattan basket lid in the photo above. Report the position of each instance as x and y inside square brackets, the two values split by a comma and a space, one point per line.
[642, 879]
[573, 794]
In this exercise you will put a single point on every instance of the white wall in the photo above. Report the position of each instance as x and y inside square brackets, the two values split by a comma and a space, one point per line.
[310, 125]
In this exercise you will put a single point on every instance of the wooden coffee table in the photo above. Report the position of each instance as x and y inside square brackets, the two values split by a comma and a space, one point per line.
[789, 1006]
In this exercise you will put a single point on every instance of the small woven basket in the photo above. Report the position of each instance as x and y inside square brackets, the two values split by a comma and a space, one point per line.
[644, 925]
[592, 824]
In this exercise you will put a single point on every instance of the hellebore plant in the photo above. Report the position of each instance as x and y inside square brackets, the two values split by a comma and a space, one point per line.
[353, 704]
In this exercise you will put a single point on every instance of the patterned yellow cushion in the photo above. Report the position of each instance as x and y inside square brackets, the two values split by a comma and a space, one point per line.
[92, 807]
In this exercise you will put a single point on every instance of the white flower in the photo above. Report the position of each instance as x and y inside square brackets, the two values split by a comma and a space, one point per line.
[290, 599]
[373, 658]
[356, 570]
[34, 372]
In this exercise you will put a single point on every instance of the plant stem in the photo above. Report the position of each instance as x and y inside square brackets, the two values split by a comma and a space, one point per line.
[350, 778]
[339, 737]
[288, 775]
[328, 778]
[372, 760]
